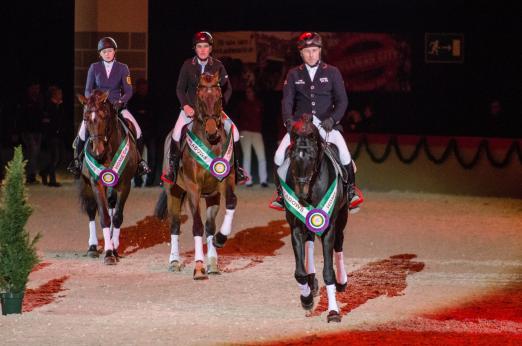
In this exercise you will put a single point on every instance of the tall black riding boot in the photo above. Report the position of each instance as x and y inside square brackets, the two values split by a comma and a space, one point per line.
[75, 167]
[352, 195]
[174, 157]
[143, 167]
[241, 177]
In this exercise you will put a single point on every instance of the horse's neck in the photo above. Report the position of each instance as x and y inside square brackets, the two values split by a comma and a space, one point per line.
[117, 136]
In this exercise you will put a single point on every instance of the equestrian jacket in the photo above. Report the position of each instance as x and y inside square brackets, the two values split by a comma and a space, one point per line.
[323, 97]
[189, 78]
[118, 83]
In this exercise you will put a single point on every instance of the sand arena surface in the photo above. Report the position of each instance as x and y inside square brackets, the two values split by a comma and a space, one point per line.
[422, 268]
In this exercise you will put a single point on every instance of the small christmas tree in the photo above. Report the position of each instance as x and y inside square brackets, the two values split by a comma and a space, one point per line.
[17, 251]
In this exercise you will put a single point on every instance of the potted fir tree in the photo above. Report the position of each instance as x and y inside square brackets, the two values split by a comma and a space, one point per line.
[17, 251]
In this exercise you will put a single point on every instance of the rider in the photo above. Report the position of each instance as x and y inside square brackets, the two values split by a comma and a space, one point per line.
[188, 79]
[114, 77]
[318, 89]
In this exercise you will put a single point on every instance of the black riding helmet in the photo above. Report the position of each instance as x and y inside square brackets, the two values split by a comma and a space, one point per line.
[106, 42]
[202, 37]
[309, 39]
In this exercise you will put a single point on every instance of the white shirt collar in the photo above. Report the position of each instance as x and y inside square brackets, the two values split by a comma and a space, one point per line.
[312, 70]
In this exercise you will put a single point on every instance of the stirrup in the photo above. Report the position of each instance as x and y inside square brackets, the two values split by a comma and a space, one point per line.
[356, 200]
[277, 203]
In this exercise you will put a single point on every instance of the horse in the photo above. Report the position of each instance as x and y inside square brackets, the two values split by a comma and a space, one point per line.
[195, 181]
[109, 164]
[312, 179]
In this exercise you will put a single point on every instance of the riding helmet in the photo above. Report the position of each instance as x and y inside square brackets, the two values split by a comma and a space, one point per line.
[202, 37]
[106, 42]
[309, 39]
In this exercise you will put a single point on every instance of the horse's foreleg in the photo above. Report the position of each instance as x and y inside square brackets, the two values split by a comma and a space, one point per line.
[329, 275]
[197, 232]
[175, 201]
[210, 228]
[103, 211]
[307, 297]
[310, 263]
[341, 277]
[117, 216]
[89, 205]
[230, 202]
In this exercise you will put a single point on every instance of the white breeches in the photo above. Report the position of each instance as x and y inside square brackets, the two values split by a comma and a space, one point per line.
[184, 119]
[82, 133]
[334, 137]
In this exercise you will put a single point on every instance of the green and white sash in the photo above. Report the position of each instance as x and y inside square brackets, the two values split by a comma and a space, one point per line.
[219, 167]
[316, 219]
[109, 175]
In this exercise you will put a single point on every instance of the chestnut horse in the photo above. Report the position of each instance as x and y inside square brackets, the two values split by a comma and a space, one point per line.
[109, 163]
[195, 180]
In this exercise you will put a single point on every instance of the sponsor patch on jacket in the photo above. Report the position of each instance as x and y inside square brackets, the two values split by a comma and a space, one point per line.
[299, 81]
[323, 80]
[129, 80]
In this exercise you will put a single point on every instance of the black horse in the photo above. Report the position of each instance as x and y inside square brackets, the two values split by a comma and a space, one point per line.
[310, 179]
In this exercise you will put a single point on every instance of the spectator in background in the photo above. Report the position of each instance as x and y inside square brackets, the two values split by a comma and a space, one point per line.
[140, 105]
[249, 116]
[52, 139]
[496, 123]
[30, 113]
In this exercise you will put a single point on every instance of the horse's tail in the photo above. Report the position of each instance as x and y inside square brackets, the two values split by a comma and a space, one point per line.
[160, 210]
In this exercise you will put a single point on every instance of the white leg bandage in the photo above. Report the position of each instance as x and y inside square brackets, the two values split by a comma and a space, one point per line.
[226, 227]
[183, 119]
[279, 156]
[211, 250]
[127, 115]
[332, 304]
[309, 253]
[340, 274]
[304, 289]
[93, 239]
[198, 249]
[107, 238]
[174, 248]
[116, 237]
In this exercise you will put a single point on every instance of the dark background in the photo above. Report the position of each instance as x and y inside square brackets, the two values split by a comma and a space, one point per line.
[449, 99]
[446, 99]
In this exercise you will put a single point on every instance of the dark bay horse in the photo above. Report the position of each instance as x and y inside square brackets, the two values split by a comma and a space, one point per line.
[314, 190]
[196, 181]
[109, 164]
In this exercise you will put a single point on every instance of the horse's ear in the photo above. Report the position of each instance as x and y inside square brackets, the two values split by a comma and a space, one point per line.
[82, 99]
[215, 78]
[104, 97]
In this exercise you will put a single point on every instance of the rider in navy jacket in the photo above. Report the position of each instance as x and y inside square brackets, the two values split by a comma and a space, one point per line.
[112, 76]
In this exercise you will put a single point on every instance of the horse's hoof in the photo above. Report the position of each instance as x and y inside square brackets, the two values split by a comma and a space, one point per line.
[333, 316]
[307, 302]
[116, 255]
[93, 252]
[200, 274]
[212, 267]
[340, 287]
[176, 266]
[219, 240]
[109, 259]
[313, 283]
